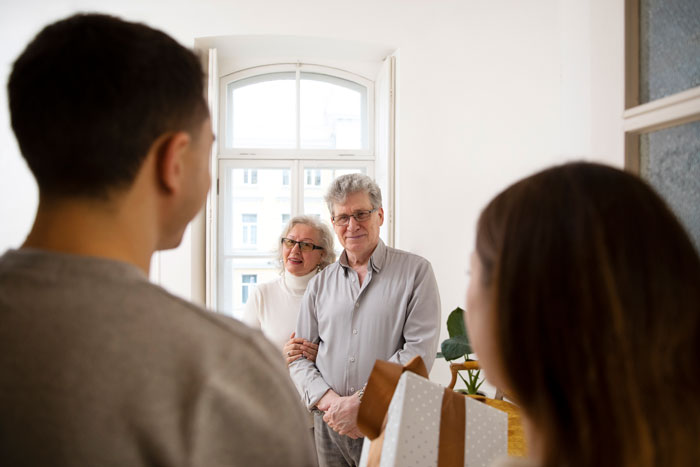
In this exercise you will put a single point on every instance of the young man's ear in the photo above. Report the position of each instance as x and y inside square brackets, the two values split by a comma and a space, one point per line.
[170, 166]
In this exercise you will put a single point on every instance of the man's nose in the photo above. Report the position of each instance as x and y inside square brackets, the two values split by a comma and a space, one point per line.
[353, 223]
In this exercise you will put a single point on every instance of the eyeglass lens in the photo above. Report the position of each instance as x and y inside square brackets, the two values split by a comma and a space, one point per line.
[359, 216]
[303, 246]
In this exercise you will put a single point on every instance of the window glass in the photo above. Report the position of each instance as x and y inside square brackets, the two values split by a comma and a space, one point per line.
[253, 210]
[669, 47]
[312, 177]
[239, 276]
[332, 112]
[251, 228]
[670, 162]
[248, 281]
[262, 112]
[249, 224]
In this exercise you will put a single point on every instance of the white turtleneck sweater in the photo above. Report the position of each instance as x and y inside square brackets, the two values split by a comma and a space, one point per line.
[274, 306]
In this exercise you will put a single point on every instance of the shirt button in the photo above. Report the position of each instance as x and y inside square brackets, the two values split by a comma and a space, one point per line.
[352, 359]
[354, 331]
[357, 305]
[352, 389]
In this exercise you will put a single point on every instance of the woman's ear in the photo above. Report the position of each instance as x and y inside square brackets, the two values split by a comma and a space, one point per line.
[170, 150]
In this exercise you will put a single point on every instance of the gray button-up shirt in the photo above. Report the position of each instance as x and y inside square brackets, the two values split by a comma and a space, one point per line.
[394, 315]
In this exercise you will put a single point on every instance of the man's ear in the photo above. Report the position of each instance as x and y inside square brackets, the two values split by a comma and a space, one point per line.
[170, 150]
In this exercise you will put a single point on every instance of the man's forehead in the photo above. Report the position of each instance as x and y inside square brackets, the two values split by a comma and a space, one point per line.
[358, 201]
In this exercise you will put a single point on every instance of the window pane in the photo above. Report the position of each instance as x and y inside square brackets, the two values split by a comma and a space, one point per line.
[314, 204]
[250, 233]
[262, 112]
[313, 177]
[670, 162]
[248, 282]
[240, 276]
[669, 47]
[252, 211]
[333, 113]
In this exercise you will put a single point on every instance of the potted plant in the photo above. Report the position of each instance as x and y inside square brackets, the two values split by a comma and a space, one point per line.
[458, 346]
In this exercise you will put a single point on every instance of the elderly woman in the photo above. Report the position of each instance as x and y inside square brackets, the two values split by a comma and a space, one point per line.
[306, 247]
[584, 305]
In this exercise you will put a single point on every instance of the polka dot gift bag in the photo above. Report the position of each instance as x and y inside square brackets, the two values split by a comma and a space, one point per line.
[410, 421]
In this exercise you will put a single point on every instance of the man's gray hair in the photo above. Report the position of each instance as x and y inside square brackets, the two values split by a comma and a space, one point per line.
[326, 242]
[348, 184]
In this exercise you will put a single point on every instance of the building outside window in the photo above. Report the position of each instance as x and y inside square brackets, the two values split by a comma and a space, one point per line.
[249, 224]
[248, 283]
[250, 177]
[313, 177]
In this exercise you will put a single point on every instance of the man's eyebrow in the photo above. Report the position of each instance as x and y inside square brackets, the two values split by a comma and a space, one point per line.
[354, 212]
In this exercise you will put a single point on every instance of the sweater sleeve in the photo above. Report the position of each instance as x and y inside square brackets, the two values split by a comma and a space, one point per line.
[247, 411]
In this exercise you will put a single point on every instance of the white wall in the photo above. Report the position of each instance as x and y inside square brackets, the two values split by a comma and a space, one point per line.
[488, 91]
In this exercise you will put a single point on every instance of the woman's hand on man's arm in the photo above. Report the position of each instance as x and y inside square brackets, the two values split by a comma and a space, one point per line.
[297, 347]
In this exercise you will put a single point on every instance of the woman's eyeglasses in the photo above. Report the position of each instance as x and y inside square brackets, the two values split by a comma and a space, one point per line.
[303, 246]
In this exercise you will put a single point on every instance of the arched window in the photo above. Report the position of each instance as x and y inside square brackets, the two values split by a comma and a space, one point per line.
[297, 110]
[286, 131]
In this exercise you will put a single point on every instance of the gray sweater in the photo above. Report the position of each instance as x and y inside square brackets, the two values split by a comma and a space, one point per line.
[98, 366]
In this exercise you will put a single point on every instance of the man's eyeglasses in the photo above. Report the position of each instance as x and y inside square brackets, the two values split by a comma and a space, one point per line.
[303, 246]
[359, 216]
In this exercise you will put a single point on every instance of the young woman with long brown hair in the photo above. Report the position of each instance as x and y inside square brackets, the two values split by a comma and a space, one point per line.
[584, 304]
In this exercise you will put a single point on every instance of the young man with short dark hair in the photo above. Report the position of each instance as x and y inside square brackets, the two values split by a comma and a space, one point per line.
[98, 365]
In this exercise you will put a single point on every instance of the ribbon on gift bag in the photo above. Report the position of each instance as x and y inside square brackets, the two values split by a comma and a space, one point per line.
[371, 418]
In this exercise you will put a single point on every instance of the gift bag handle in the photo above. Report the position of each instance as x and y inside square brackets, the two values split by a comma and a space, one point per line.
[379, 391]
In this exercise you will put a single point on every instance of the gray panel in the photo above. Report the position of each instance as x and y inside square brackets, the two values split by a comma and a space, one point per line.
[669, 46]
[670, 162]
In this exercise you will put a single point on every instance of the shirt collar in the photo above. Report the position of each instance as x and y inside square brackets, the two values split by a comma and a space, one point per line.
[376, 261]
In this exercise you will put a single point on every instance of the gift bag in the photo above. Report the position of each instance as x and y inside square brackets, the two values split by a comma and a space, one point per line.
[411, 421]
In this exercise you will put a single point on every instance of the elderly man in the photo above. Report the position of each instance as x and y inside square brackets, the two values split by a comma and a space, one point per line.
[375, 303]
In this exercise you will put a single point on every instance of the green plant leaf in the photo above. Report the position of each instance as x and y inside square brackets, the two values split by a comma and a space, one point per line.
[455, 323]
[455, 347]
[439, 355]
[465, 381]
